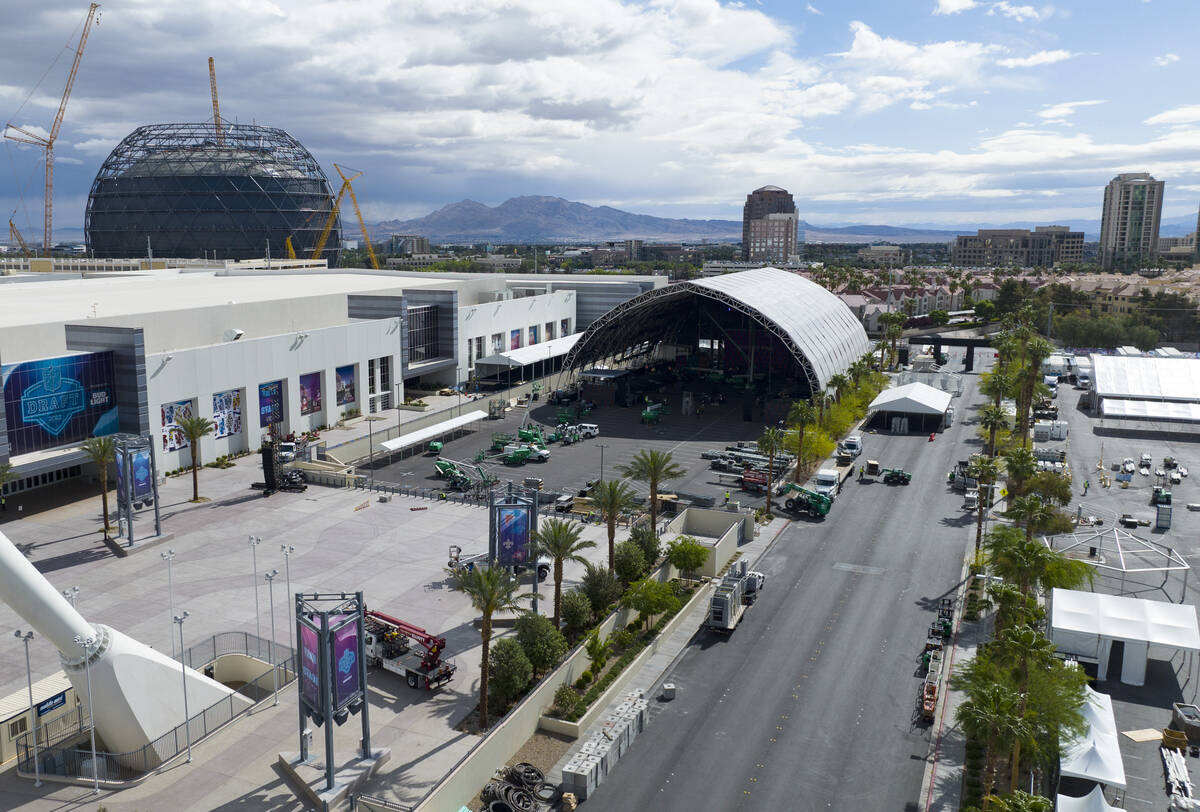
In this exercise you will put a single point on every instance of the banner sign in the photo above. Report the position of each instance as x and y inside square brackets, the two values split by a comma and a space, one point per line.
[512, 535]
[310, 393]
[173, 414]
[227, 413]
[515, 340]
[310, 667]
[345, 661]
[58, 401]
[56, 701]
[345, 385]
[143, 486]
[270, 403]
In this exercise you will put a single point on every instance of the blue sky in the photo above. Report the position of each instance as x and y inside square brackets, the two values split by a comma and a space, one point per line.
[937, 112]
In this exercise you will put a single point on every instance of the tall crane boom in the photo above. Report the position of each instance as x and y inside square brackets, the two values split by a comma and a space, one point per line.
[212, 83]
[357, 211]
[48, 143]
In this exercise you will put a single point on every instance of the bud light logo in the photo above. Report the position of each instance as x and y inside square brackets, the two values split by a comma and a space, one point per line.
[52, 401]
[346, 662]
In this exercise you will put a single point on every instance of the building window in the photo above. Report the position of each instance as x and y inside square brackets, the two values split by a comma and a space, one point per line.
[17, 727]
[549, 331]
[422, 333]
[565, 326]
[478, 348]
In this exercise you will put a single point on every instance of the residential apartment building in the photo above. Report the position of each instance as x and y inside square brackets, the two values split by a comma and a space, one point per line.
[1043, 247]
[1129, 222]
[770, 226]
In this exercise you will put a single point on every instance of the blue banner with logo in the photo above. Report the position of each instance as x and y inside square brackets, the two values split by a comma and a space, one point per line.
[58, 401]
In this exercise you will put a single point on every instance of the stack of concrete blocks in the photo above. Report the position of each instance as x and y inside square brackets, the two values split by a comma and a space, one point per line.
[598, 756]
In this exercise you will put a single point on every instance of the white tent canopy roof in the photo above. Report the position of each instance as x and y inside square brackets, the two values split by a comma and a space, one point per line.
[912, 398]
[1151, 409]
[1095, 756]
[429, 432]
[1129, 619]
[1116, 376]
[1092, 802]
[533, 353]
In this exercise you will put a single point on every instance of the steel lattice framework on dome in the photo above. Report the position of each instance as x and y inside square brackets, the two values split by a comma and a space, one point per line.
[817, 328]
[194, 192]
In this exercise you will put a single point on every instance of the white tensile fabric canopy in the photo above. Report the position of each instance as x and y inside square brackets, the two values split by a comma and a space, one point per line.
[912, 398]
[532, 354]
[1142, 378]
[429, 432]
[1087, 623]
[1092, 802]
[1096, 756]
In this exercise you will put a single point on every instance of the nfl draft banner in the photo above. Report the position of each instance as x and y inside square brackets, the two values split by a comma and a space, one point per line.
[58, 401]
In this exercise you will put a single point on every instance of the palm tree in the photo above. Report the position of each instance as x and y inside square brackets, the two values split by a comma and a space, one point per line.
[985, 471]
[1031, 565]
[559, 541]
[1022, 648]
[193, 429]
[1034, 350]
[801, 415]
[1020, 465]
[770, 443]
[1018, 801]
[993, 418]
[612, 497]
[991, 715]
[839, 383]
[102, 451]
[491, 590]
[653, 468]
[996, 385]
[1031, 512]
[822, 399]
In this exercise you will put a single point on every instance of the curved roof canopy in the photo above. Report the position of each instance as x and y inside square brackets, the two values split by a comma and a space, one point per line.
[819, 330]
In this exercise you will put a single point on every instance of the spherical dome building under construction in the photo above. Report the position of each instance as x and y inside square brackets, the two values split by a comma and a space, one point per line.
[196, 192]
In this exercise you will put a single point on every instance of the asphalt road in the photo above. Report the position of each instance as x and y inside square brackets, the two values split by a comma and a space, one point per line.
[810, 704]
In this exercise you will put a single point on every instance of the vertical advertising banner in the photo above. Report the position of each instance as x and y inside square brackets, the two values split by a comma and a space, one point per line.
[310, 667]
[345, 385]
[512, 535]
[533, 334]
[270, 403]
[122, 488]
[515, 340]
[143, 481]
[310, 393]
[345, 662]
[58, 401]
[173, 438]
[227, 413]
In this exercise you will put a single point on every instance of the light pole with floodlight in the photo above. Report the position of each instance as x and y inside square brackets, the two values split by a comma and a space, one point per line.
[25, 638]
[187, 719]
[601, 446]
[287, 551]
[254, 542]
[86, 644]
[169, 556]
[71, 594]
[270, 576]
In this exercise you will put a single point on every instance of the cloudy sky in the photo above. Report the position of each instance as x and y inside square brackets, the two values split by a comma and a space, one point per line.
[892, 111]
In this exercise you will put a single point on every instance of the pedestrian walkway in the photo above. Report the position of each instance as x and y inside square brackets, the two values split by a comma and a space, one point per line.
[650, 676]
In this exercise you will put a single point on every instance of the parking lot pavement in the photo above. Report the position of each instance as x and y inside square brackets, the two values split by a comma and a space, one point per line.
[622, 434]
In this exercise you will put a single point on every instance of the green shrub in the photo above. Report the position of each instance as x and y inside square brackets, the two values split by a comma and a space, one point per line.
[509, 670]
[543, 644]
[566, 701]
[647, 541]
[601, 586]
[620, 639]
[576, 613]
[629, 562]
[585, 679]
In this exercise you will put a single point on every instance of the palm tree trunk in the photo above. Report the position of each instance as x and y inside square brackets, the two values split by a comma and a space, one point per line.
[558, 567]
[612, 541]
[104, 495]
[799, 449]
[980, 510]
[654, 506]
[992, 443]
[195, 481]
[770, 477]
[485, 633]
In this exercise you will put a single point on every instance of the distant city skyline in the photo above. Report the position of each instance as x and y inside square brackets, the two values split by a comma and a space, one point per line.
[933, 112]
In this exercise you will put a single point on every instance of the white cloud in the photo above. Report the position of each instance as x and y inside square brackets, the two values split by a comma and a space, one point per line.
[1033, 60]
[1059, 113]
[811, 9]
[1166, 59]
[953, 6]
[1019, 13]
[1187, 114]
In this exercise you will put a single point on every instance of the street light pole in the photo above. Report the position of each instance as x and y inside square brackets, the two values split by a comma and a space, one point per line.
[270, 576]
[371, 445]
[86, 644]
[287, 551]
[601, 446]
[37, 771]
[169, 556]
[187, 719]
[71, 594]
[254, 541]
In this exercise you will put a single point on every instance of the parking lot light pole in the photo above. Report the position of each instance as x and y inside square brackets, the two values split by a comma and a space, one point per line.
[25, 638]
[601, 446]
[254, 541]
[169, 556]
[86, 644]
[287, 551]
[270, 576]
[187, 719]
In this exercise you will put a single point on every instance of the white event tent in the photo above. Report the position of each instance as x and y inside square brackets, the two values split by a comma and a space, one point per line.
[1092, 802]
[1096, 755]
[918, 403]
[1086, 624]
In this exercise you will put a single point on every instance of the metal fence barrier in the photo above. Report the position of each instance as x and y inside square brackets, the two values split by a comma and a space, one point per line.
[64, 748]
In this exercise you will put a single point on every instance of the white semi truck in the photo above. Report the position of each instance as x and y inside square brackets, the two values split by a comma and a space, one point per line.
[737, 590]
[387, 646]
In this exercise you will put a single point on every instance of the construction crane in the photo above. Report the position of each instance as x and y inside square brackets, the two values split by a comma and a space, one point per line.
[14, 234]
[47, 143]
[333, 214]
[212, 83]
[358, 212]
[291, 250]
